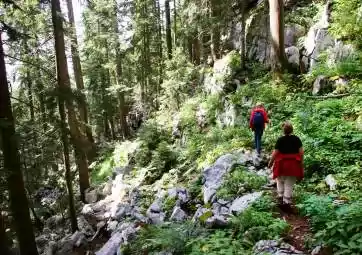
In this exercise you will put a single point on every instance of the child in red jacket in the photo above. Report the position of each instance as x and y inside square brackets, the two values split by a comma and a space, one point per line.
[258, 120]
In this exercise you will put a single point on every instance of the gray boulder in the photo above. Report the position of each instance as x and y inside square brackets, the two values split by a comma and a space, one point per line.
[107, 188]
[91, 196]
[321, 85]
[85, 227]
[68, 243]
[51, 248]
[178, 214]
[216, 221]
[242, 203]
[41, 242]
[291, 34]
[112, 226]
[213, 176]
[87, 210]
[156, 218]
[112, 246]
[273, 247]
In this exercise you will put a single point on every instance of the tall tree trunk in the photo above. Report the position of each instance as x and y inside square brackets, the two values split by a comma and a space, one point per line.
[4, 242]
[78, 74]
[196, 54]
[175, 22]
[215, 29]
[68, 175]
[121, 95]
[30, 96]
[113, 130]
[18, 200]
[160, 51]
[242, 38]
[168, 29]
[276, 12]
[80, 142]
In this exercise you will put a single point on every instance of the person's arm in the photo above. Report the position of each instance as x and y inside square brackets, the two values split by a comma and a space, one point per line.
[266, 118]
[272, 159]
[301, 152]
[251, 119]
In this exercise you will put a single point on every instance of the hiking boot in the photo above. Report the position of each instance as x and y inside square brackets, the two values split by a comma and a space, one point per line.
[287, 208]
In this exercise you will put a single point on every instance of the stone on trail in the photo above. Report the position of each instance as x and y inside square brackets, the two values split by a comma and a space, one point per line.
[112, 246]
[84, 226]
[178, 214]
[273, 247]
[91, 196]
[242, 203]
[216, 221]
[213, 176]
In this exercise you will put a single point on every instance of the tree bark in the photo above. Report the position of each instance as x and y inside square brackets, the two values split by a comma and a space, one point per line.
[215, 30]
[276, 12]
[168, 29]
[4, 242]
[196, 54]
[18, 200]
[78, 74]
[243, 36]
[121, 94]
[160, 52]
[68, 175]
[175, 22]
[65, 93]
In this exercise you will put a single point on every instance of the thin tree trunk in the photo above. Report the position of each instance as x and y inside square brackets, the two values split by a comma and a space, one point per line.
[243, 36]
[196, 50]
[121, 95]
[160, 51]
[30, 96]
[215, 30]
[68, 175]
[4, 242]
[78, 74]
[65, 92]
[168, 29]
[175, 22]
[17, 195]
[276, 12]
[113, 130]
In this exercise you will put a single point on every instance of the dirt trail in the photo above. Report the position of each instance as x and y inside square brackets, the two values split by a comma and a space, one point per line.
[300, 230]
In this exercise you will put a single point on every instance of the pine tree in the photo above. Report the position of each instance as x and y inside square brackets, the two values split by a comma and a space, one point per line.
[279, 61]
[18, 200]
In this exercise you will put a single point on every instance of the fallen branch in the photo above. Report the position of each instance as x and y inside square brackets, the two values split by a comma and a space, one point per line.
[329, 96]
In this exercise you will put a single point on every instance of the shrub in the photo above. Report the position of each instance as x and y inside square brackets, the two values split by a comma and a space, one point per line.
[343, 233]
[174, 238]
[220, 242]
[319, 209]
[239, 182]
[252, 226]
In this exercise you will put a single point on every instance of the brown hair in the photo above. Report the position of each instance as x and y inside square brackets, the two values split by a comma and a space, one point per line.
[287, 128]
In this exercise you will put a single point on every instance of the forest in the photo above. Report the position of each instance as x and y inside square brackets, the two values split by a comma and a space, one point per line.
[124, 126]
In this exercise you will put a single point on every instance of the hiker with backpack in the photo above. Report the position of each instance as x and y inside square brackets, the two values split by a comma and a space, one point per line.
[258, 120]
[287, 163]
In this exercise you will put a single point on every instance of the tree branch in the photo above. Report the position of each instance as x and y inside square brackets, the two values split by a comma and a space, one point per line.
[47, 71]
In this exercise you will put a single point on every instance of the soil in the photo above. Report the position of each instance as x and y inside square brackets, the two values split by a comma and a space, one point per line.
[300, 230]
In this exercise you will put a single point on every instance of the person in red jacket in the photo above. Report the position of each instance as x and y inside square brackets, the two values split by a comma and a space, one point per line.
[287, 162]
[258, 120]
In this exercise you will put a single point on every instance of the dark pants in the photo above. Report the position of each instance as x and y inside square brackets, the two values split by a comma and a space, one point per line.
[258, 133]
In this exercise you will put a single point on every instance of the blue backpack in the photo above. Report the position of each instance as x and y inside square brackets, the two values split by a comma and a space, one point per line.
[258, 120]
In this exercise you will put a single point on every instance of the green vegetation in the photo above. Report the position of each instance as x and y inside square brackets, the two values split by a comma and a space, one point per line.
[164, 117]
[240, 181]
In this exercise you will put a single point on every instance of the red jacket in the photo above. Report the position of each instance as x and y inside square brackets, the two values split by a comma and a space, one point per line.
[288, 165]
[258, 109]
